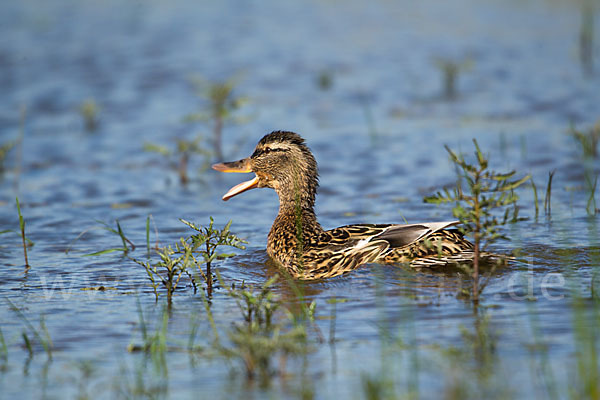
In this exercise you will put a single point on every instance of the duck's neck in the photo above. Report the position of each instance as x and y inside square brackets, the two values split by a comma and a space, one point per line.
[299, 219]
[295, 227]
[296, 207]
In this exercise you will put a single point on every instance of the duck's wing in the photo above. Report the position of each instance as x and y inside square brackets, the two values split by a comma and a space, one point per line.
[399, 236]
[346, 238]
[343, 249]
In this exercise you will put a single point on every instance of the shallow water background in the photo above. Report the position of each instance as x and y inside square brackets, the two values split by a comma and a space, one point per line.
[378, 134]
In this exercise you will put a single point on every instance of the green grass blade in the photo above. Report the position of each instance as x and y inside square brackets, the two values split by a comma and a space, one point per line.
[148, 233]
[535, 198]
[107, 251]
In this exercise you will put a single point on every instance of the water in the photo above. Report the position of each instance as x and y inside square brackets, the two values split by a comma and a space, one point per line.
[378, 135]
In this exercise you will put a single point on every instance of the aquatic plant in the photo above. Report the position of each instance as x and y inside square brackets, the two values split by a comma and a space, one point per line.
[187, 255]
[535, 198]
[588, 139]
[168, 271]
[26, 241]
[222, 104]
[484, 191]
[211, 239]
[548, 197]
[179, 157]
[88, 110]
[450, 70]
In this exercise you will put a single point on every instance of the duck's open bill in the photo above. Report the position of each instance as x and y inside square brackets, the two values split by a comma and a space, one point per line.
[240, 187]
[242, 166]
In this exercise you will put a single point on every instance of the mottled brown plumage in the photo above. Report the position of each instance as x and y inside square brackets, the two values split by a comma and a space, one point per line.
[298, 243]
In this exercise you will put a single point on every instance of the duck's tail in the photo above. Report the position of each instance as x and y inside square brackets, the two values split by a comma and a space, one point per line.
[440, 248]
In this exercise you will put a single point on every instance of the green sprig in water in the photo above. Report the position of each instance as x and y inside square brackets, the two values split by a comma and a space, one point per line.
[478, 193]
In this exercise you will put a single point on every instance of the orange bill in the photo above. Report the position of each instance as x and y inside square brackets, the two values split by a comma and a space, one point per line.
[241, 166]
[241, 187]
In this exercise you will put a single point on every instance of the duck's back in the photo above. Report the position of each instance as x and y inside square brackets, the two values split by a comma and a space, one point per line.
[343, 249]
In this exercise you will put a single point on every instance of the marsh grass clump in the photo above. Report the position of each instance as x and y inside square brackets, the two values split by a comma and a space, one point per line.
[261, 339]
[221, 105]
[179, 157]
[588, 139]
[189, 255]
[479, 192]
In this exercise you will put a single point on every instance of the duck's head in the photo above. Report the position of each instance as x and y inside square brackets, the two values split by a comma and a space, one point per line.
[280, 161]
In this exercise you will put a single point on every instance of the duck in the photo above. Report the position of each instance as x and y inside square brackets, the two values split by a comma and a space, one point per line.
[301, 247]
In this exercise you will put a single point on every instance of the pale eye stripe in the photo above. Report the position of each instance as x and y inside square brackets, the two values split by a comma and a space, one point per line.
[278, 147]
[267, 150]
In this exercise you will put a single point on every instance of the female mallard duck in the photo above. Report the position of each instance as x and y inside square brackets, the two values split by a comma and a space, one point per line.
[297, 241]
